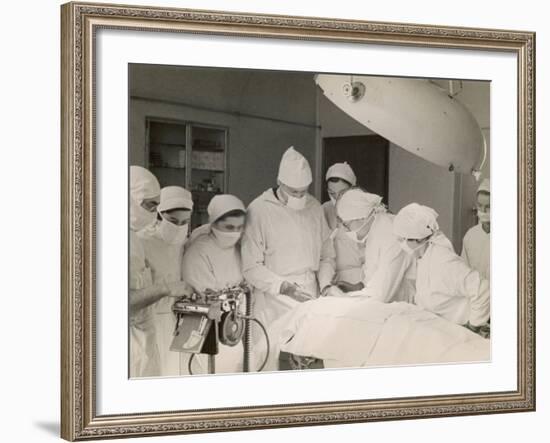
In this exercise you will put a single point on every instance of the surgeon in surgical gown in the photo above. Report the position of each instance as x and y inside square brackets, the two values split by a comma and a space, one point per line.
[163, 242]
[477, 241]
[212, 261]
[350, 255]
[287, 254]
[144, 289]
[365, 221]
[445, 285]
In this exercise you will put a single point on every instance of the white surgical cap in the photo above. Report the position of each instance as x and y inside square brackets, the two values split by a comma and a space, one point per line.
[174, 197]
[356, 203]
[485, 186]
[143, 184]
[221, 205]
[294, 170]
[343, 171]
[415, 221]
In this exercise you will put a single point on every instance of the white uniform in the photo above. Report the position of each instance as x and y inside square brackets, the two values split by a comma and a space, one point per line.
[144, 353]
[208, 266]
[395, 277]
[389, 272]
[166, 261]
[380, 239]
[448, 287]
[350, 255]
[329, 209]
[476, 250]
[282, 244]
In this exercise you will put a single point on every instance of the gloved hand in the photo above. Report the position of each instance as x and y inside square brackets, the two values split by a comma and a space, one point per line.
[326, 290]
[483, 330]
[349, 287]
[332, 291]
[293, 291]
[178, 289]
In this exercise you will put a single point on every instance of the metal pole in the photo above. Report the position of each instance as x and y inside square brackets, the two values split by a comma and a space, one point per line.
[211, 364]
[247, 332]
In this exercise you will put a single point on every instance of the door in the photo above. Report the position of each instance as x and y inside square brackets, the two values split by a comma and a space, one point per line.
[368, 155]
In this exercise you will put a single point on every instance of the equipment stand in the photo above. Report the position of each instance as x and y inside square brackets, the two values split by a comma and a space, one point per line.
[211, 364]
[247, 339]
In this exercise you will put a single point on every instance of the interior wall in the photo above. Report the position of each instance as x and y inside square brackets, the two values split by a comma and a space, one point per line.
[228, 98]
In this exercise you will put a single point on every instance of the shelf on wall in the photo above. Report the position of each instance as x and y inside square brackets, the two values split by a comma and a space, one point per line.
[168, 145]
[205, 149]
[168, 167]
[200, 162]
[220, 171]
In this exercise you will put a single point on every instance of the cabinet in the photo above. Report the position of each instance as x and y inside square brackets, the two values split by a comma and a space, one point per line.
[191, 155]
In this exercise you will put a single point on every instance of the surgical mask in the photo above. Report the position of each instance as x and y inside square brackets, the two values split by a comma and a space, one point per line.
[296, 203]
[484, 217]
[139, 216]
[353, 234]
[173, 234]
[225, 239]
[405, 246]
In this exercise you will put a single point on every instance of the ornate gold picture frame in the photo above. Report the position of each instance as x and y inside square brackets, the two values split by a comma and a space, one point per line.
[80, 22]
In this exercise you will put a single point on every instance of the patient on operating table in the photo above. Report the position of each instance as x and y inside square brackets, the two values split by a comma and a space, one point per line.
[411, 312]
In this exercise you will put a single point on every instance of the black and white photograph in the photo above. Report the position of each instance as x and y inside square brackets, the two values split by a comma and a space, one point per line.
[287, 221]
[281, 220]
[266, 222]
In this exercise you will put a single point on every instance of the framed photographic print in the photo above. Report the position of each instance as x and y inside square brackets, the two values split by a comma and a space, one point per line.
[277, 221]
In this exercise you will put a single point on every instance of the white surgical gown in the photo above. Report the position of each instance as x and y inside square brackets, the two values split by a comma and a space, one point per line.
[329, 209]
[208, 266]
[395, 277]
[350, 255]
[476, 250]
[380, 239]
[166, 261]
[144, 353]
[282, 244]
[446, 286]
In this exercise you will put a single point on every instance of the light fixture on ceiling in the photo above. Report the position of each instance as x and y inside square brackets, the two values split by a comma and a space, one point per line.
[414, 114]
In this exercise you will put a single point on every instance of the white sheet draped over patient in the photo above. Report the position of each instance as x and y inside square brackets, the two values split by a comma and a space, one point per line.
[360, 331]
